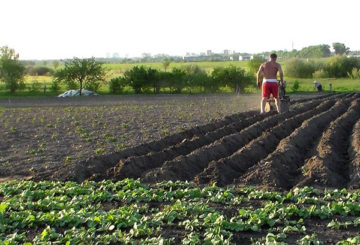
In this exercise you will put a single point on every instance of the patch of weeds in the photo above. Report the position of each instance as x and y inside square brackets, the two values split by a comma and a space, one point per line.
[120, 146]
[68, 159]
[165, 132]
[5, 164]
[99, 151]
[76, 123]
[112, 139]
[84, 135]
[124, 125]
[35, 151]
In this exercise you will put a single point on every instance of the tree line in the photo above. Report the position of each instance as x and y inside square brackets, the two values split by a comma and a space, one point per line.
[90, 74]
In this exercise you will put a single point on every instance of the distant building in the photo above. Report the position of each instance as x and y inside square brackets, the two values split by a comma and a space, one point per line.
[244, 57]
[353, 55]
[209, 52]
[226, 52]
[234, 57]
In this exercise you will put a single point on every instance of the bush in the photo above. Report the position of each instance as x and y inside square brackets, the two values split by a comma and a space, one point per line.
[196, 77]
[71, 85]
[92, 85]
[355, 73]
[295, 87]
[40, 71]
[233, 77]
[341, 66]
[116, 85]
[178, 79]
[137, 78]
[320, 74]
[55, 86]
[35, 86]
[299, 68]
[255, 63]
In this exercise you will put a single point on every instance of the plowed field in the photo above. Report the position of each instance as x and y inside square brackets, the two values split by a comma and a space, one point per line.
[316, 143]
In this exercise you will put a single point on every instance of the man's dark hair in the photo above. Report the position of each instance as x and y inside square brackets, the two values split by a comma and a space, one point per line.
[273, 55]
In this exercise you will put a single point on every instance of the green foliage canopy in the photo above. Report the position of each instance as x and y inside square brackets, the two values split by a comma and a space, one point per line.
[255, 63]
[85, 72]
[317, 51]
[340, 48]
[341, 66]
[11, 70]
[232, 76]
[299, 68]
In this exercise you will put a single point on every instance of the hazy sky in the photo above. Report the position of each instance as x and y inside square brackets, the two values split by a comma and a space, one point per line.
[54, 29]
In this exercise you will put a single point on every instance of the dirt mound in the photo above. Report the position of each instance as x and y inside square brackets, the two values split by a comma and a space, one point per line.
[315, 143]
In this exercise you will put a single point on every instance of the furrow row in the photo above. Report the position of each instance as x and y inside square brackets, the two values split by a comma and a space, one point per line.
[134, 166]
[225, 170]
[188, 166]
[330, 165]
[280, 168]
[96, 167]
[354, 154]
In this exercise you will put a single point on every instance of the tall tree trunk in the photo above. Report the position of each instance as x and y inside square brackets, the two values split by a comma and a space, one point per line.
[80, 87]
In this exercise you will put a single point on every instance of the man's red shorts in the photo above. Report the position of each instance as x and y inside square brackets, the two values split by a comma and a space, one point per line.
[270, 88]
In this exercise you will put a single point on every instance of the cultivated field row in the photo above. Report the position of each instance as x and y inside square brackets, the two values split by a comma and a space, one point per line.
[315, 143]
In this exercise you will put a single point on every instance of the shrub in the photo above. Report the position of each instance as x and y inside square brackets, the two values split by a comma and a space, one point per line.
[255, 63]
[355, 73]
[341, 66]
[137, 78]
[35, 86]
[116, 85]
[320, 74]
[40, 71]
[299, 68]
[196, 77]
[178, 79]
[71, 84]
[55, 86]
[92, 85]
[295, 87]
[234, 77]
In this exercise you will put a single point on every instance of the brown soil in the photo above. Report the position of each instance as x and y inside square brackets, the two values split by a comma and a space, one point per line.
[315, 143]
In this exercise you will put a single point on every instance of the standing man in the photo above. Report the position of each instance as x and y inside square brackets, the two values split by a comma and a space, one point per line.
[270, 84]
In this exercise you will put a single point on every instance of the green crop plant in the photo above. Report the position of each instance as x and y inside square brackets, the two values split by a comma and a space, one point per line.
[99, 151]
[128, 211]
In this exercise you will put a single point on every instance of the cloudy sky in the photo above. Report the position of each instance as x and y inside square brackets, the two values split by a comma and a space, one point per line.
[55, 29]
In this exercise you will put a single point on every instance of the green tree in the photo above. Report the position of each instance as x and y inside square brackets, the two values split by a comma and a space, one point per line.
[341, 66]
[117, 84]
[340, 48]
[195, 76]
[55, 64]
[84, 72]
[317, 51]
[234, 77]
[178, 79]
[166, 63]
[255, 63]
[140, 77]
[11, 70]
[299, 68]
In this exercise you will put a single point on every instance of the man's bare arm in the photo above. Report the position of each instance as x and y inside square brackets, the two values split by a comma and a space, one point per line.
[258, 75]
[281, 74]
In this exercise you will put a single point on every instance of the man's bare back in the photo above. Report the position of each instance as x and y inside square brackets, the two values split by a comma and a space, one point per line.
[270, 69]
